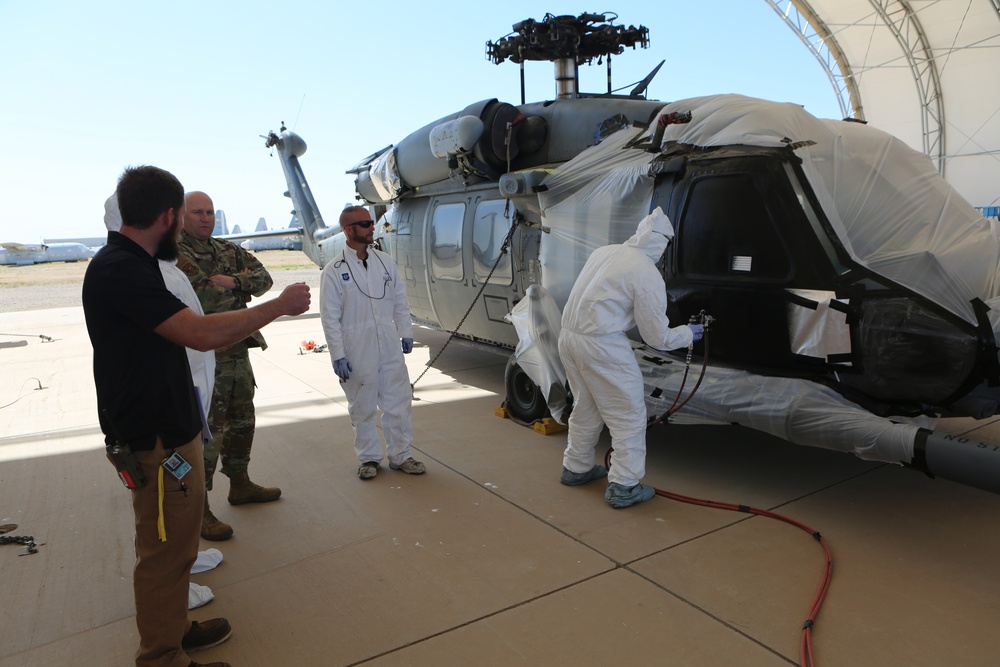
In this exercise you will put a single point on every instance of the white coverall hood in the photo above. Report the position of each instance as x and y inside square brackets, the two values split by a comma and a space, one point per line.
[112, 216]
[618, 288]
[653, 234]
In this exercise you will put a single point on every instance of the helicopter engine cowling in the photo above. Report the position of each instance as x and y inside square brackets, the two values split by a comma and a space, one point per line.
[418, 165]
[481, 136]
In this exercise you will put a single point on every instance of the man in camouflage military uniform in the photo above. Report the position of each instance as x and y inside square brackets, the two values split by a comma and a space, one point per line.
[225, 277]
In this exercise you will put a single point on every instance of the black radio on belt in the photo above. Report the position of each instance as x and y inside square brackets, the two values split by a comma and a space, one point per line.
[123, 459]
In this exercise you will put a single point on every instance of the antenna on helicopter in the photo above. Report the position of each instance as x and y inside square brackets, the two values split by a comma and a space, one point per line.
[641, 88]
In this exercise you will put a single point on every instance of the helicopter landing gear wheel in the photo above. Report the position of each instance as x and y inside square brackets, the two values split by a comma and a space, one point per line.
[525, 402]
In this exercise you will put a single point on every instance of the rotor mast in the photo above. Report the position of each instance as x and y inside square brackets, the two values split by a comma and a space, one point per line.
[568, 42]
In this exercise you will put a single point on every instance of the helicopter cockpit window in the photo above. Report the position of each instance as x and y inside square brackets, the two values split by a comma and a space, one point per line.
[446, 241]
[726, 231]
[488, 232]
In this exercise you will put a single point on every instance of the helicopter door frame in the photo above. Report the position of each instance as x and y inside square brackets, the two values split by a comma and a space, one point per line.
[487, 226]
[743, 246]
[455, 267]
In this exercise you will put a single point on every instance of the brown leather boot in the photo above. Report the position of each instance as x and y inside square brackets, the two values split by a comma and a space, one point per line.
[242, 490]
[213, 529]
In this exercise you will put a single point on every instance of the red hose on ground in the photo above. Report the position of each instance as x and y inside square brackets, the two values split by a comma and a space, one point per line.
[805, 645]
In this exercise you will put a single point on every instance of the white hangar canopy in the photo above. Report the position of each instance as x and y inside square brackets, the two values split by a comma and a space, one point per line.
[922, 70]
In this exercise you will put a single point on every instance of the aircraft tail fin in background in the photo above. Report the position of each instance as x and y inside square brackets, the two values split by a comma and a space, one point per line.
[290, 147]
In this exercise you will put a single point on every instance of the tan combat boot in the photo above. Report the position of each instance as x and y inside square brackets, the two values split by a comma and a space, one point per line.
[242, 490]
[213, 529]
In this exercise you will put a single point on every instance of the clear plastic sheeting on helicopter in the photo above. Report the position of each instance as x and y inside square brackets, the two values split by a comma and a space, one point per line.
[886, 203]
[538, 322]
[595, 199]
[797, 410]
[385, 176]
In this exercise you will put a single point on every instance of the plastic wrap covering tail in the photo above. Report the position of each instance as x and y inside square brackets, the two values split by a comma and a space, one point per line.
[537, 321]
[593, 200]
[886, 202]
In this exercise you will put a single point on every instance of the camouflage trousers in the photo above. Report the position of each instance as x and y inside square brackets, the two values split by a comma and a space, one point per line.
[231, 418]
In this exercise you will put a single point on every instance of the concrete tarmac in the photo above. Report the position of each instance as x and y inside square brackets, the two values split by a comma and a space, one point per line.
[486, 559]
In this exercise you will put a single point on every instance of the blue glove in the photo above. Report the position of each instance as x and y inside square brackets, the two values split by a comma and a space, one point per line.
[407, 345]
[342, 367]
[698, 330]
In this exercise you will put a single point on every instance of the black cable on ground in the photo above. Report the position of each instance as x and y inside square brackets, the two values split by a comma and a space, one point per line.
[20, 393]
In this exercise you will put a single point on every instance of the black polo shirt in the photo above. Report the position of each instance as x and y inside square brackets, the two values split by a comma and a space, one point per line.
[144, 386]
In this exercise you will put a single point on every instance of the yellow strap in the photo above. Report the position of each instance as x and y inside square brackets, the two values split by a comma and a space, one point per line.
[160, 526]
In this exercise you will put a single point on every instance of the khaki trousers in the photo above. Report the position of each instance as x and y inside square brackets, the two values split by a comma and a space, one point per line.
[163, 569]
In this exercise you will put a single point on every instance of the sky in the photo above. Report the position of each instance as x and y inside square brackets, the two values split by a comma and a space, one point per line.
[87, 89]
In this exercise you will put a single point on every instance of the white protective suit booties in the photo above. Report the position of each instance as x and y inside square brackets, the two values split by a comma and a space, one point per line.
[202, 363]
[208, 559]
[365, 315]
[198, 595]
[619, 288]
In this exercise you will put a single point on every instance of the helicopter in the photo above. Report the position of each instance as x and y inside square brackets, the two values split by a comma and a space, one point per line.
[854, 295]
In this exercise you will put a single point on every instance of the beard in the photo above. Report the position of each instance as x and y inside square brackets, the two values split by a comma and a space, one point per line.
[167, 249]
[360, 237]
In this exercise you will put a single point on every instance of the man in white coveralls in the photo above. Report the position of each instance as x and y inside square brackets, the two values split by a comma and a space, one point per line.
[366, 319]
[619, 288]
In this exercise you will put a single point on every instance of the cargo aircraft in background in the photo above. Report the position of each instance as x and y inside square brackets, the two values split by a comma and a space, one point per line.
[853, 294]
[263, 238]
[23, 254]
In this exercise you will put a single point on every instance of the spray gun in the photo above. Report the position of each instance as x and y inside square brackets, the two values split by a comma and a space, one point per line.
[706, 321]
[703, 319]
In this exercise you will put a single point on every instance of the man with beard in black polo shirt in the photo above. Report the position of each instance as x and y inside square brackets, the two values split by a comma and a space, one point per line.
[146, 400]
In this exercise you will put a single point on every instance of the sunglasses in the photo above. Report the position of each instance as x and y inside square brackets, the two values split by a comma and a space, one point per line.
[365, 224]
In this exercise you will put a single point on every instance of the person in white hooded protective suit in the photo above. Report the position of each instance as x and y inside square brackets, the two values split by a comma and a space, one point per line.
[366, 319]
[619, 288]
